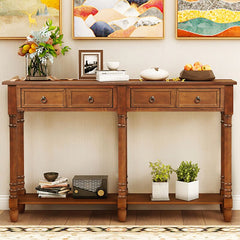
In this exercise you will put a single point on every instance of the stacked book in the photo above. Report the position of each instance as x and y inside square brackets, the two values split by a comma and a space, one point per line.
[57, 189]
[109, 75]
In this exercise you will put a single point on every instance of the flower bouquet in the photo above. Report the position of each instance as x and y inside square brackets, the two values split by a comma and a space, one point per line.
[40, 48]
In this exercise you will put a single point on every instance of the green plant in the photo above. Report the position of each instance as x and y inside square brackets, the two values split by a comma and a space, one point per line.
[187, 171]
[160, 172]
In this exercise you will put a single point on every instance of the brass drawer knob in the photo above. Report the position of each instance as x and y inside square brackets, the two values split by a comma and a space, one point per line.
[197, 99]
[43, 99]
[90, 99]
[152, 99]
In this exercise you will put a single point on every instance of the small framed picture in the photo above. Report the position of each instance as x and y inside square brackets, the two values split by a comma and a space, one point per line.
[89, 62]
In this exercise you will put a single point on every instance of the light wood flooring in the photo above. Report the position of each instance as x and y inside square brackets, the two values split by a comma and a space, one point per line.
[140, 217]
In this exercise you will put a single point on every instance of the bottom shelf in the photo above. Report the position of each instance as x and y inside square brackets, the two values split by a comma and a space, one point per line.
[204, 199]
[32, 198]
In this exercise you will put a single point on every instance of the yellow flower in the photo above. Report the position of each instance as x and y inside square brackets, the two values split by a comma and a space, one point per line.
[33, 46]
[32, 50]
[26, 48]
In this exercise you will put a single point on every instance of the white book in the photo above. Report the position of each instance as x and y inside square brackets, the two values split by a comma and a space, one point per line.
[109, 78]
[110, 72]
[52, 196]
[57, 181]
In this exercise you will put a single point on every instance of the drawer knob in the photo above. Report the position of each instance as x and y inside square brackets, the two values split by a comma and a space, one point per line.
[90, 99]
[152, 99]
[43, 99]
[197, 99]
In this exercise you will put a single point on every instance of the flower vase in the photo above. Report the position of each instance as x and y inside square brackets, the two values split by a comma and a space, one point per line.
[36, 69]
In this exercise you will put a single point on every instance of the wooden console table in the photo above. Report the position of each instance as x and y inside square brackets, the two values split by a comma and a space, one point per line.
[120, 97]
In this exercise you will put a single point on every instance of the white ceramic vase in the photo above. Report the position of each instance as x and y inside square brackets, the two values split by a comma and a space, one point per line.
[187, 191]
[160, 191]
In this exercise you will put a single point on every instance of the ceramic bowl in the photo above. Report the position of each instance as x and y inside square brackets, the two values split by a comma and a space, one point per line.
[113, 65]
[51, 176]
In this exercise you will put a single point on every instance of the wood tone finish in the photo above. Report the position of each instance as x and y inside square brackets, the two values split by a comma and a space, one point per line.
[43, 98]
[227, 153]
[122, 154]
[198, 98]
[152, 98]
[90, 98]
[120, 97]
[32, 198]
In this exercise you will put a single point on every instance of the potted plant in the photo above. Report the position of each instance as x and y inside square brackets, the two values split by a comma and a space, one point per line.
[160, 176]
[187, 185]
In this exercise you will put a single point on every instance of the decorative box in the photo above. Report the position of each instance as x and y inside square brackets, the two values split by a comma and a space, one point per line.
[90, 186]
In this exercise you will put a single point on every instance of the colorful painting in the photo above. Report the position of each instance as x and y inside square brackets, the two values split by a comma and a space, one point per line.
[208, 19]
[19, 18]
[118, 19]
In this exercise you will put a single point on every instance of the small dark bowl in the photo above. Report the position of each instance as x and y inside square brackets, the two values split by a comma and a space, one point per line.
[51, 176]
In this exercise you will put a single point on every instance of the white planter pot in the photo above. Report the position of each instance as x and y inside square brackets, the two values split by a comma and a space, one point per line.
[187, 191]
[160, 191]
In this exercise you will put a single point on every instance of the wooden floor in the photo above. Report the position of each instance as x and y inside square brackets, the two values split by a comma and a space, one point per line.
[166, 217]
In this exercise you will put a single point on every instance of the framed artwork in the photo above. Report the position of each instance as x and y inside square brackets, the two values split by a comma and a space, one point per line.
[89, 62]
[208, 19]
[118, 19]
[19, 18]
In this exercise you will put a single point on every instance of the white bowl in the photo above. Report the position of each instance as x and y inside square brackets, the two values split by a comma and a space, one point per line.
[113, 65]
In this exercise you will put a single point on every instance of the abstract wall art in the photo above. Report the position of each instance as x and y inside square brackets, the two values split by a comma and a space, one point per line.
[19, 18]
[212, 19]
[118, 19]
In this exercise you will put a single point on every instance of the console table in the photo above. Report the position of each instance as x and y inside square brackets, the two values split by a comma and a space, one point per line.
[120, 97]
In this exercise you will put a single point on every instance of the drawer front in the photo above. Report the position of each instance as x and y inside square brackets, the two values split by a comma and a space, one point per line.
[90, 98]
[43, 98]
[209, 98]
[152, 98]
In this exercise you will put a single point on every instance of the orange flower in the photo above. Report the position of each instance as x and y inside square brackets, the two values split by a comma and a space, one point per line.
[50, 41]
[20, 52]
[26, 47]
[57, 49]
[34, 46]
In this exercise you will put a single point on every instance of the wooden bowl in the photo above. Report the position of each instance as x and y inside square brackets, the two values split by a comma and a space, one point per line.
[51, 176]
[197, 75]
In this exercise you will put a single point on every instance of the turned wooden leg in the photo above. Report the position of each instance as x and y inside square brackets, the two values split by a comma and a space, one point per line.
[20, 153]
[13, 198]
[227, 191]
[122, 156]
[222, 160]
[227, 214]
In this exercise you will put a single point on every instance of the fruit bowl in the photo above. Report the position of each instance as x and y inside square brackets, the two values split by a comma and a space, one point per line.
[191, 75]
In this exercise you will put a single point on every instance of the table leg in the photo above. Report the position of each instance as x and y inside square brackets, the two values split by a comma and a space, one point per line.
[20, 145]
[222, 160]
[227, 191]
[13, 198]
[122, 167]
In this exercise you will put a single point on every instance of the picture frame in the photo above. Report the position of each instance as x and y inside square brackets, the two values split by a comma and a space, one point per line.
[202, 20]
[89, 62]
[17, 24]
[117, 19]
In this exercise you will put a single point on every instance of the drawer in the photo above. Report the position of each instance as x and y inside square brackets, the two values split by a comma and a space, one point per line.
[209, 98]
[153, 98]
[43, 98]
[90, 98]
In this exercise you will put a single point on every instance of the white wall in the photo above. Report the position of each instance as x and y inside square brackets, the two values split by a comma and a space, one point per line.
[86, 143]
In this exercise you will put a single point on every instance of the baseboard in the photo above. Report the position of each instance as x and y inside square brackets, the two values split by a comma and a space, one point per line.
[236, 202]
[4, 206]
[4, 202]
